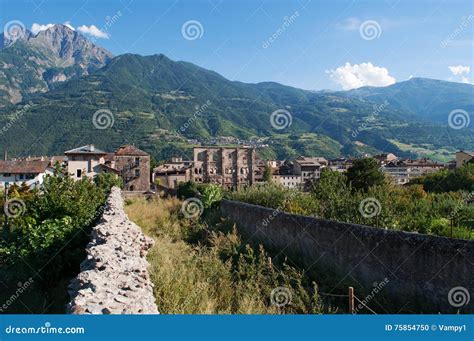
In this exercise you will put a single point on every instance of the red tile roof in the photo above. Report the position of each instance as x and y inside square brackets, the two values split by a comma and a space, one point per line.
[109, 157]
[23, 166]
[130, 150]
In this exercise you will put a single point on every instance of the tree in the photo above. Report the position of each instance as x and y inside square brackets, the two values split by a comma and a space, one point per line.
[334, 195]
[460, 179]
[267, 173]
[364, 174]
[186, 190]
[106, 181]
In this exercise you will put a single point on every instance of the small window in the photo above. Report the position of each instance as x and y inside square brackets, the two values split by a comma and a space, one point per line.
[137, 161]
[137, 172]
[22, 176]
[78, 173]
[7, 174]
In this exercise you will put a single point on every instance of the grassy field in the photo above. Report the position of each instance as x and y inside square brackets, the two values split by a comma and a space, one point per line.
[202, 267]
[426, 150]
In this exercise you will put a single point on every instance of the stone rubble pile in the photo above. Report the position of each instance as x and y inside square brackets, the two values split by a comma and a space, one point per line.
[114, 277]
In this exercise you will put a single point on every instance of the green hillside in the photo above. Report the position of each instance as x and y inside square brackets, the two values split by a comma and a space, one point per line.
[158, 104]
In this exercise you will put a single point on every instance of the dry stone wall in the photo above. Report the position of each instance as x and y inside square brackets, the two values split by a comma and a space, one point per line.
[114, 277]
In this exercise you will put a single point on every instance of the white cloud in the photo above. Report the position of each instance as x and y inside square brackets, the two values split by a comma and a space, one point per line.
[461, 72]
[365, 74]
[459, 69]
[36, 28]
[92, 30]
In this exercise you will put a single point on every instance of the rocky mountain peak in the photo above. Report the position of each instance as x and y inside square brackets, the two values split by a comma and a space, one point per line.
[31, 63]
[69, 45]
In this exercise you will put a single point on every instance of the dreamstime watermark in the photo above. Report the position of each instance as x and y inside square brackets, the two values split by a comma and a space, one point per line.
[378, 286]
[97, 214]
[280, 297]
[200, 110]
[465, 200]
[46, 329]
[370, 119]
[287, 21]
[370, 207]
[15, 118]
[103, 119]
[21, 288]
[458, 119]
[192, 30]
[370, 30]
[192, 208]
[281, 119]
[14, 207]
[14, 30]
[458, 297]
[109, 22]
[465, 23]
[276, 211]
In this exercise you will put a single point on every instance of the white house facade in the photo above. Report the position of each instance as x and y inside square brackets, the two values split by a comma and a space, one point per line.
[20, 172]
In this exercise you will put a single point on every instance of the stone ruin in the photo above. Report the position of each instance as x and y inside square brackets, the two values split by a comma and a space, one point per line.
[114, 278]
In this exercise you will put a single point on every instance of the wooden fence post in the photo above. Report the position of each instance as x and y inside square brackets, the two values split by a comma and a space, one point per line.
[351, 300]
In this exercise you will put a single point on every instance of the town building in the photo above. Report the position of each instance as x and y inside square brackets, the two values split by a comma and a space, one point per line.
[128, 162]
[402, 171]
[463, 157]
[85, 161]
[385, 158]
[173, 172]
[229, 167]
[29, 172]
[309, 168]
[133, 166]
[288, 181]
[340, 164]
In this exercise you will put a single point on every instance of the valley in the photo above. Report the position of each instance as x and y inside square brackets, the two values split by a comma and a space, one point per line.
[151, 99]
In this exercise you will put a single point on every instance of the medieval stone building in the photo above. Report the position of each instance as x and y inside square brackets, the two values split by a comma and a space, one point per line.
[134, 167]
[229, 167]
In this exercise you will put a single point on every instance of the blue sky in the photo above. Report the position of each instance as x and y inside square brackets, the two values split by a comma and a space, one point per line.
[306, 44]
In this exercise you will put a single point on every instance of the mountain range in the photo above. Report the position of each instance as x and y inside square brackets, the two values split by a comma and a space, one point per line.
[55, 85]
[35, 63]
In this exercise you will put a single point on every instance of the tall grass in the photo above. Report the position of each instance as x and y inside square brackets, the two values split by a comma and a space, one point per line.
[202, 267]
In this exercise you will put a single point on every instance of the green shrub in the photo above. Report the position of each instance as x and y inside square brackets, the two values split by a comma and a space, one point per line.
[186, 189]
[407, 208]
[211, 195]
[47, 241]
[106, 181]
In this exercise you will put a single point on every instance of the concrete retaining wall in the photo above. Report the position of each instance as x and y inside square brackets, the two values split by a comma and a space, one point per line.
[114, 277]
[422, 273]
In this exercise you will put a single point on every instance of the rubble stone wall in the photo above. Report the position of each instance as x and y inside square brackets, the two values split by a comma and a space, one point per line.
[114, 278]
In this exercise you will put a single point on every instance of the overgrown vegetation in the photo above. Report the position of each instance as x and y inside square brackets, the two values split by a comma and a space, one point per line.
[201, 266]
[44, 238]
[377, 203]
[460, 179]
